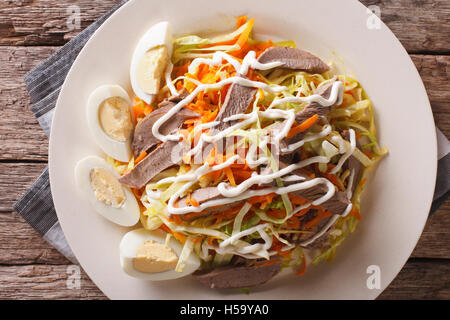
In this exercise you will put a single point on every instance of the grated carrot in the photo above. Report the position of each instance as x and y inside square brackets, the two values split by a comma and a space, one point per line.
[211, 158]
[138, 110]
[334, 180]
[270, 262]
[321, 215]
[302, 126]
[230, 176]
[141, 156]
[243, 38]
[302, 212]
[165, 228]
[179, 236]
[293, 223]
[181, 70]
[185, 133]
[194, 202]
[188, 199]
[213, 175]
[230, 213]
[138, 192]
[275, 213]
[147, 109]
[177, 219]
[261, 199]
[296, 200]
[241, 175]
[363, 182]
[240, 21]
[355, 213]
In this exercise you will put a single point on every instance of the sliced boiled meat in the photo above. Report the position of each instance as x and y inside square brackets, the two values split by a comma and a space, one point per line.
[253, 273]
[293, 58]
[310, 110]
[237, 101]
[144, 139]
[163, 157]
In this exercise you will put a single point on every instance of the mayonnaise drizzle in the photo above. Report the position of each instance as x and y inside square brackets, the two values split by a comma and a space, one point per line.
[243, 191]
[335, 98]
[172, 89]
[216, 60]
[294, 146]
[330, 223]
[202, 87]
[348, 152]
[261, 179]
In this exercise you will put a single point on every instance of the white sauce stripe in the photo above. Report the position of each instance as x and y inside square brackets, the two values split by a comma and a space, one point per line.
[336, 97]
[242, 192]
[169, 83]
[347, 154]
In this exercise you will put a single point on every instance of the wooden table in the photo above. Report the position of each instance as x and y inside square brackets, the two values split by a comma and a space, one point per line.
[32, 30]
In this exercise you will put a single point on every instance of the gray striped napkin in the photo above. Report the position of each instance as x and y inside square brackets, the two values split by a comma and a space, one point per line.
[43, 84]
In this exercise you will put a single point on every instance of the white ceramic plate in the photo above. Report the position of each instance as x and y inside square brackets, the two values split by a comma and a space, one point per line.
[396, 200]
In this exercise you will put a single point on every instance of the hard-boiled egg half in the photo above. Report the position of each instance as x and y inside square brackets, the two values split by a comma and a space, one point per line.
[147, 255]
[150, 60]
[110, 121]
[99, 183]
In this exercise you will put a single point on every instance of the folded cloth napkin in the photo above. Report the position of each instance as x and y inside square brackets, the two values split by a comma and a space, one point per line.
[43, 84]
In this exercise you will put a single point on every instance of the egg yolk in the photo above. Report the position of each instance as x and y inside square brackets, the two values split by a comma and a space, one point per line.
[152, 256]
[107, 188]
[115, 118]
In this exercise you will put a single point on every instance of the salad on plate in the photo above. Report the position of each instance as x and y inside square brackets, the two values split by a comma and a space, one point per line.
[233, 159]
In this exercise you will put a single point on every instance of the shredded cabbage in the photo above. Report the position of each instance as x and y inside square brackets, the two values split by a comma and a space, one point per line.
[185, 253]
[356, 112]
[189, 47]
[240, 216]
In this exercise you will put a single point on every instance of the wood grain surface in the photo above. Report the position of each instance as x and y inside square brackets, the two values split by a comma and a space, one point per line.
[30, 31]
[421, 25]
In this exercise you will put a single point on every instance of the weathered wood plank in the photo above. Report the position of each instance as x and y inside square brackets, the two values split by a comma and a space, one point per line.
[47, 22]
[419, 25]
[421, 279]
[20, 244]
[435, 73]
[15, 179]
[417, 280]
[22, 137]
[435, 239]
[45, 282]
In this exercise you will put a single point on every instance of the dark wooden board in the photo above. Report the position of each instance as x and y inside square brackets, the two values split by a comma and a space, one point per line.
[44, 282]
[15, 179]
[421, 279]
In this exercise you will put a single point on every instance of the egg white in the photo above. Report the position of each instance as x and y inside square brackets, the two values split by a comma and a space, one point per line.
[159, 34]
[127, 215]
[119, 150]
[132, 239]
